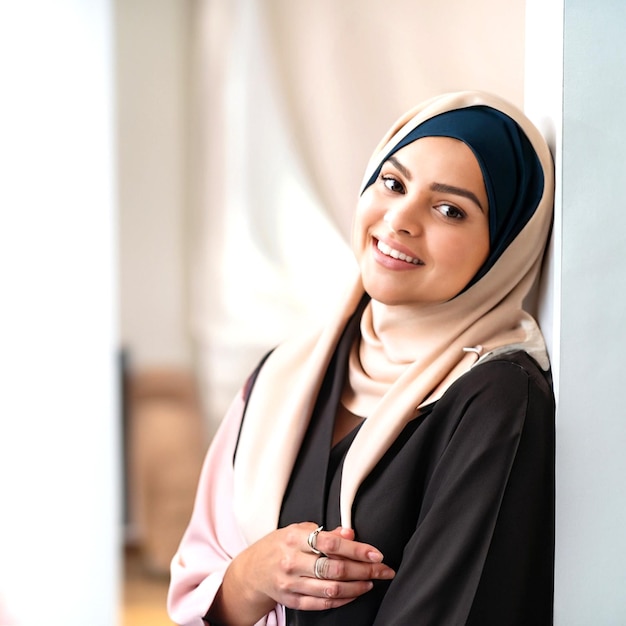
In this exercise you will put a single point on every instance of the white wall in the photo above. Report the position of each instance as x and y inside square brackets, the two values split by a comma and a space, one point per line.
[576, 61]
[59, 429]
[591, 463]
[543, 102]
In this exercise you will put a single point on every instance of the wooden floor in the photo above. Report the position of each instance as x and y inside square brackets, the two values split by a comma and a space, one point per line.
[144, 595]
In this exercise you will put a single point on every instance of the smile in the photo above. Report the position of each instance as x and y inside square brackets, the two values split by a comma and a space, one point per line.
[396, 254]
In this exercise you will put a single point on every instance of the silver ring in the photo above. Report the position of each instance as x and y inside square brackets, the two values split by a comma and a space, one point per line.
[317, 570]
[312, 540]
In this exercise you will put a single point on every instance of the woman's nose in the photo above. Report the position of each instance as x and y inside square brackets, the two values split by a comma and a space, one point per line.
[403, 219]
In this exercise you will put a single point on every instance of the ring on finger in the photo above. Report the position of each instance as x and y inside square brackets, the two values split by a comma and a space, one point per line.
[312, 540]
[318, 569]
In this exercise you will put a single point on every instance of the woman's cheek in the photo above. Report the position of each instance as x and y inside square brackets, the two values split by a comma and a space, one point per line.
[359, 236]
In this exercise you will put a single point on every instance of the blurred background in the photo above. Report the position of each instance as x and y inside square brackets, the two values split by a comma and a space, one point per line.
[177, 180]
[243, 131]
[244, 128]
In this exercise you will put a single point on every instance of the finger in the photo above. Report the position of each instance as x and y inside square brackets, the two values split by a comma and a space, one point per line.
[342, 531]
[306, 592]
[325, 568]
[328, 595]
[333, 543]
[297, 536]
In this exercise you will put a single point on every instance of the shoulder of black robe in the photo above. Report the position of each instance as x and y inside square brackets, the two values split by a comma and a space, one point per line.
[461, 505]
[482, 550]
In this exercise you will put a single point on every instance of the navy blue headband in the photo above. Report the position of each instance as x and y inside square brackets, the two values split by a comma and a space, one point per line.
[511, 169]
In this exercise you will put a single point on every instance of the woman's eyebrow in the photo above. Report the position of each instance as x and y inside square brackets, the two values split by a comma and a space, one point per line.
[405, 172]
[458, 191]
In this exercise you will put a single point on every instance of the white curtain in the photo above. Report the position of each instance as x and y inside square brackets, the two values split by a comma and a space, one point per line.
[290, 98]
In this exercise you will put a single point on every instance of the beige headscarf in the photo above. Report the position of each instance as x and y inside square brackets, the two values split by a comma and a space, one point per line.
[419, 353]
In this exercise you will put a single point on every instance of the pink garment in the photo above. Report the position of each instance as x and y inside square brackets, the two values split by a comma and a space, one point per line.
[212, 538]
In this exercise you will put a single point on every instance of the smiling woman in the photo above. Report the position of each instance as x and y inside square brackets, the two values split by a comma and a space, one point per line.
[397, 466]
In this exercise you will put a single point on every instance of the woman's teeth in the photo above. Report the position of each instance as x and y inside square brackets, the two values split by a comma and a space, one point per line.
[395, 254]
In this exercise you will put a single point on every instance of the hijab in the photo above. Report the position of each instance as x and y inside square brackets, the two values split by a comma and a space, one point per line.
[511, 170]
[407, 358]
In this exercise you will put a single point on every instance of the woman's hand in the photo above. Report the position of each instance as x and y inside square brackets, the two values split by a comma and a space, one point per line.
[280, 568]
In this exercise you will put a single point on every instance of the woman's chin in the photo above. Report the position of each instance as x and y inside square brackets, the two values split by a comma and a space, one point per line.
[389, 297]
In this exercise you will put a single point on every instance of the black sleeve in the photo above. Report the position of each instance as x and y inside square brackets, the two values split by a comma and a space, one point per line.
[483, 550]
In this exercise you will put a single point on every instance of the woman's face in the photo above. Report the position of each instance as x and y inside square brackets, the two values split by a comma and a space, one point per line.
[421, 229]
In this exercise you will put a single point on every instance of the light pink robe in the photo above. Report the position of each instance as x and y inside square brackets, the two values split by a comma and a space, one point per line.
[212, 538]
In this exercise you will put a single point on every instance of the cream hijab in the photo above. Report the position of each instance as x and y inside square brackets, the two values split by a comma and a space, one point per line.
[418, 353]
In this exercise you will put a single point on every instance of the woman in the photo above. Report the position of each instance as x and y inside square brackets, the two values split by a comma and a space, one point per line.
[418, 427]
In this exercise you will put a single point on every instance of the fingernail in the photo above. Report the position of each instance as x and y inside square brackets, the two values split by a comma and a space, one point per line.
[375, 557]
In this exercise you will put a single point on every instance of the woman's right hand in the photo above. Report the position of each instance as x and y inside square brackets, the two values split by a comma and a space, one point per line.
[280, 569]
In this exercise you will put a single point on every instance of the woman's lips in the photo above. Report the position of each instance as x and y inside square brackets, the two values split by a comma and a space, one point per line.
[387, 250]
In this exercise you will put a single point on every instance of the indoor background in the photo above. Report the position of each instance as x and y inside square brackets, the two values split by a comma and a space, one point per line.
[244, 128]
[177, 181]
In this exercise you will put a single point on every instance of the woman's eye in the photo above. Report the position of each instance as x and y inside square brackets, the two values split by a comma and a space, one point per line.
[449, 210]
[393, 184]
